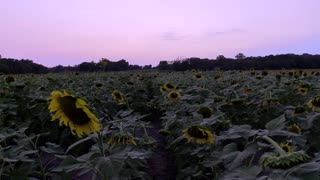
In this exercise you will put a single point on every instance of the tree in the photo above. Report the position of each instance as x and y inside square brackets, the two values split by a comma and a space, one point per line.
[240, 56]
[221, 57]
[103, 63]
[163, 65]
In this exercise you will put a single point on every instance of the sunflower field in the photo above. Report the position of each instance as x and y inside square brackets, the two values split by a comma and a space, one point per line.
[161, 125]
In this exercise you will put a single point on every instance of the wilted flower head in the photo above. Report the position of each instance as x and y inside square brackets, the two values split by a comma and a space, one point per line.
[198, 134]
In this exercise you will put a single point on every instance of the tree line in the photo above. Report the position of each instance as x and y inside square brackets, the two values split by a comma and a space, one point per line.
[240, 62]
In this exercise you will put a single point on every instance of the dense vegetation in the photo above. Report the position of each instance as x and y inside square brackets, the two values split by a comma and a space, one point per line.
[271, 62]
[160, 125]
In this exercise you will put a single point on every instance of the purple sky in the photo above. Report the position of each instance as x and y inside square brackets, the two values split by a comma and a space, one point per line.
[143, 32]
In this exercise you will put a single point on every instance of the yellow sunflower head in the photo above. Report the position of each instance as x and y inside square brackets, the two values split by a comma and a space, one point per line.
[163, 89]
[198, 134]
[286, 147]
[206, 112]
[314, 103]
[174, 95]
[294, 128]
[247, 90]
[198, 76]
[303, 91]
[194, 71]
[118, 96]
[169, 86]
[122, 139]
[9, 79]
[74, 113]
[298, 111]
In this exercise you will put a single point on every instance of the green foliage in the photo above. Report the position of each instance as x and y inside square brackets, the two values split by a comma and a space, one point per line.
[33, 147]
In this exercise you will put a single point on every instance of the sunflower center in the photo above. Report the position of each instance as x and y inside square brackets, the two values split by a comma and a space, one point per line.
[118, 95]
[174, 95]
[169, 86]
[197, 132]
[76, 115]
[316, 102]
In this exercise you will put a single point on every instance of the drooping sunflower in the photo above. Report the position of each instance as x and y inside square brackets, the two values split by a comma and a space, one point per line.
[9, 79]
[303, 91]
[174, 95]
[74, 113]
[280, 159]
[294, 128]
[122, 139]
[247, 90]
[163, 89]
[198, 76]
[314, 103]
[286, 147]
[206, 112]
[298, 111]
[169, 86]
[118, 96]
[198, 134]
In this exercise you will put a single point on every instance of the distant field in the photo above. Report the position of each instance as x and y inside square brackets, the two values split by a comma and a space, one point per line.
[161, 125]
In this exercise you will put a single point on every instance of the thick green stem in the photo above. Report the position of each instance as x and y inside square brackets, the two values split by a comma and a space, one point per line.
[275, 145]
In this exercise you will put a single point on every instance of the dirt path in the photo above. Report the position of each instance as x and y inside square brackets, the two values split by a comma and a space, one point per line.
[162, 163]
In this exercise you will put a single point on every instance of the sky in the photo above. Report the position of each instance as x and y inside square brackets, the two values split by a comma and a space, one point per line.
[143, 32]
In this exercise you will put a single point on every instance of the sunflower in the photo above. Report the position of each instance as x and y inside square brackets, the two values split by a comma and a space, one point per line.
[174, 95]
[294, 128]
[73, 112]
[118, 96]
[286, 147]
[314, 103]
[194, 71]
[298, 111]
[303, 91]
[169, 86]
[206, 112]
[163, 89]
[198, 76]
[199, 134]
[122, 139]
[247, 90]
[282, 159]
[272, 102]
[9, 79]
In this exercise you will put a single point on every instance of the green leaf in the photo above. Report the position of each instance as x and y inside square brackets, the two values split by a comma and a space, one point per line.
[276, 124]
[79, 142]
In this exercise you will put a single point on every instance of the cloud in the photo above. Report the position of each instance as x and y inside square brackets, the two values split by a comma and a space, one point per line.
[172, 36]
[228, 31]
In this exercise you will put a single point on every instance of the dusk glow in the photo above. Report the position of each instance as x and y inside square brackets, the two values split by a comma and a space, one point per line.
[69, 32]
